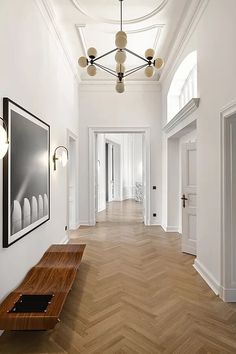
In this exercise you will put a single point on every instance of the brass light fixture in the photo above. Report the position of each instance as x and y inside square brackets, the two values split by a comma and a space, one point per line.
[4, 144]
[120, 57]
[62, 157]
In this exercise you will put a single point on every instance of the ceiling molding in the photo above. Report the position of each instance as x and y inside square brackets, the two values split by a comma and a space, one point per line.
[109, 86]
[158, 9]
[48, 15]
[80, 32]
[182, 36]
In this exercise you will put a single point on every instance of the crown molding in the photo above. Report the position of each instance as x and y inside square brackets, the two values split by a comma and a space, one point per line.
[48, 15]
[157, 9]
[183, 35]
[188, 109]
[109, 86]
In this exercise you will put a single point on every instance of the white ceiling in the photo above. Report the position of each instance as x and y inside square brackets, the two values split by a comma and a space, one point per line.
[94, 23]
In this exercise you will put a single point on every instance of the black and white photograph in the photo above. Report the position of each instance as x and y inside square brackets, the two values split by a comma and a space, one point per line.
[26, 173]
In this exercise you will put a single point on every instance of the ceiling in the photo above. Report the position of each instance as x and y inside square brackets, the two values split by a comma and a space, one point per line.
[94, 23]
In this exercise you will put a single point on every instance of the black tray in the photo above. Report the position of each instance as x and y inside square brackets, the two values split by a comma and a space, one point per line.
[32, 303]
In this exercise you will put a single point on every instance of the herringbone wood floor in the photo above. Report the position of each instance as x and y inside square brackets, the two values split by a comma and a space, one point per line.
[135, 293]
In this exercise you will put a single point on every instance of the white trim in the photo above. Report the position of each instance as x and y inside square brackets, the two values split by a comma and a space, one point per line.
[228, 283]
[65, 240]
[48, 15]
[207, 276]
[108, 85]
[188, 109]
[106, 130]
[183, 35]
[84, 223]
[155, 11]
[170, 228]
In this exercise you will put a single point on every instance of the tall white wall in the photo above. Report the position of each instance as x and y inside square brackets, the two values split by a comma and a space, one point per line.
[139, 106]
[35, 74]
[213, 38]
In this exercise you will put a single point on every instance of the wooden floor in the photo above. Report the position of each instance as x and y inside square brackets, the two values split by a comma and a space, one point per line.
[135, 293]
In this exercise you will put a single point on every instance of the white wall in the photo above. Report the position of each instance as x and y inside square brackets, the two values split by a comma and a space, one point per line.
[139, 106]
[213, 38]
[35, 74]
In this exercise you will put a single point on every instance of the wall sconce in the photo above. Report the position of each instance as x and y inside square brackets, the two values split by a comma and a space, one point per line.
[63, 157]
[4, 144]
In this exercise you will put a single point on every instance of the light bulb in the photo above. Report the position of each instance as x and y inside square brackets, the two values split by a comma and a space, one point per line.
[120, 86]
[83, 62]
[120, 57]
[92, 52]
[91, 70]
[64, 158]
[3, 142]
[159, 63]
[149, 54]
[120, 68]
[149, 71]
[121, 40]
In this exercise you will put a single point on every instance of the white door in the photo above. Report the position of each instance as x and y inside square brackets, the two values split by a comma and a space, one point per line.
[189, 198]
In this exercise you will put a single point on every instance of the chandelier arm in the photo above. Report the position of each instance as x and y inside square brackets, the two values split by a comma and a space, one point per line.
[136, 55]
[104, 55]
[106, 69]
[135, 69]
[141, 66]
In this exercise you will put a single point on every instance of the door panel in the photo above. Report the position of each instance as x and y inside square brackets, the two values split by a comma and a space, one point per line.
[189, 198]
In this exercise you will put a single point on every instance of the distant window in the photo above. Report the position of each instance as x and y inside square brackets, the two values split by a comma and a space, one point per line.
[183, 86]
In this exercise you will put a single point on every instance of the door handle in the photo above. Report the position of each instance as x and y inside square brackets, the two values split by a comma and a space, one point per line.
[184, 199]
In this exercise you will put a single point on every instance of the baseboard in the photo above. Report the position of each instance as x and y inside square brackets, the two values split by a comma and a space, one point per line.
[170, 228]
[207, 276]
[65, 240]
[75, 227]
[84, 223]
[228, 294]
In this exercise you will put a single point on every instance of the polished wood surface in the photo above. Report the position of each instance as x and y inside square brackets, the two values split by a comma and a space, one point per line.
[135, 292]
[54, 274]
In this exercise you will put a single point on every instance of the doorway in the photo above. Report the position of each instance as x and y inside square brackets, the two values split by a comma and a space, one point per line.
[228, 204]
[115, 189]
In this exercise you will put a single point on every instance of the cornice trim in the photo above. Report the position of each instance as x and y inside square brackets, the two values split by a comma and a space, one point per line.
[47, 13]
[188, 109]
[159, 8]
[178, 44]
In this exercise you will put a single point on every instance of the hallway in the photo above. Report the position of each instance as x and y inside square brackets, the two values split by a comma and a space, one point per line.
[135, 293]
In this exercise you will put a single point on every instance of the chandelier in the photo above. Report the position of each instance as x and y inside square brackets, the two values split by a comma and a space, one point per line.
[92, 62]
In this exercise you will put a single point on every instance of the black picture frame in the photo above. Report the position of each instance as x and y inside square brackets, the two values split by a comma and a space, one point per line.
[26, 173]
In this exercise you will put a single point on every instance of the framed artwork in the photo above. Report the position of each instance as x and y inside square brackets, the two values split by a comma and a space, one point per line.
[26, 173]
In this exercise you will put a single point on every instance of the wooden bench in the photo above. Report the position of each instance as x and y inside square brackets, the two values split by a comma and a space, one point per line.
[54, 274]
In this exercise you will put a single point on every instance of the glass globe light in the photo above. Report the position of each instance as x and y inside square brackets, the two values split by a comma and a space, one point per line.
[92, 52]
[121, 40]
[149, 71]
[83, 62]
[120, 68]
[159, 63]
[3, 142]
[91, 70]
[149, 54]
[120, 57]
[120, 86]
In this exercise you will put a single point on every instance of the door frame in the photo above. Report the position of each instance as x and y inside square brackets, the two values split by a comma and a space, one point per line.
[146, 163]
[227, 283]
[71, 135]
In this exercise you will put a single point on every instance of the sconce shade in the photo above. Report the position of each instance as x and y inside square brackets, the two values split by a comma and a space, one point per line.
[61, 155]
[3, 142]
